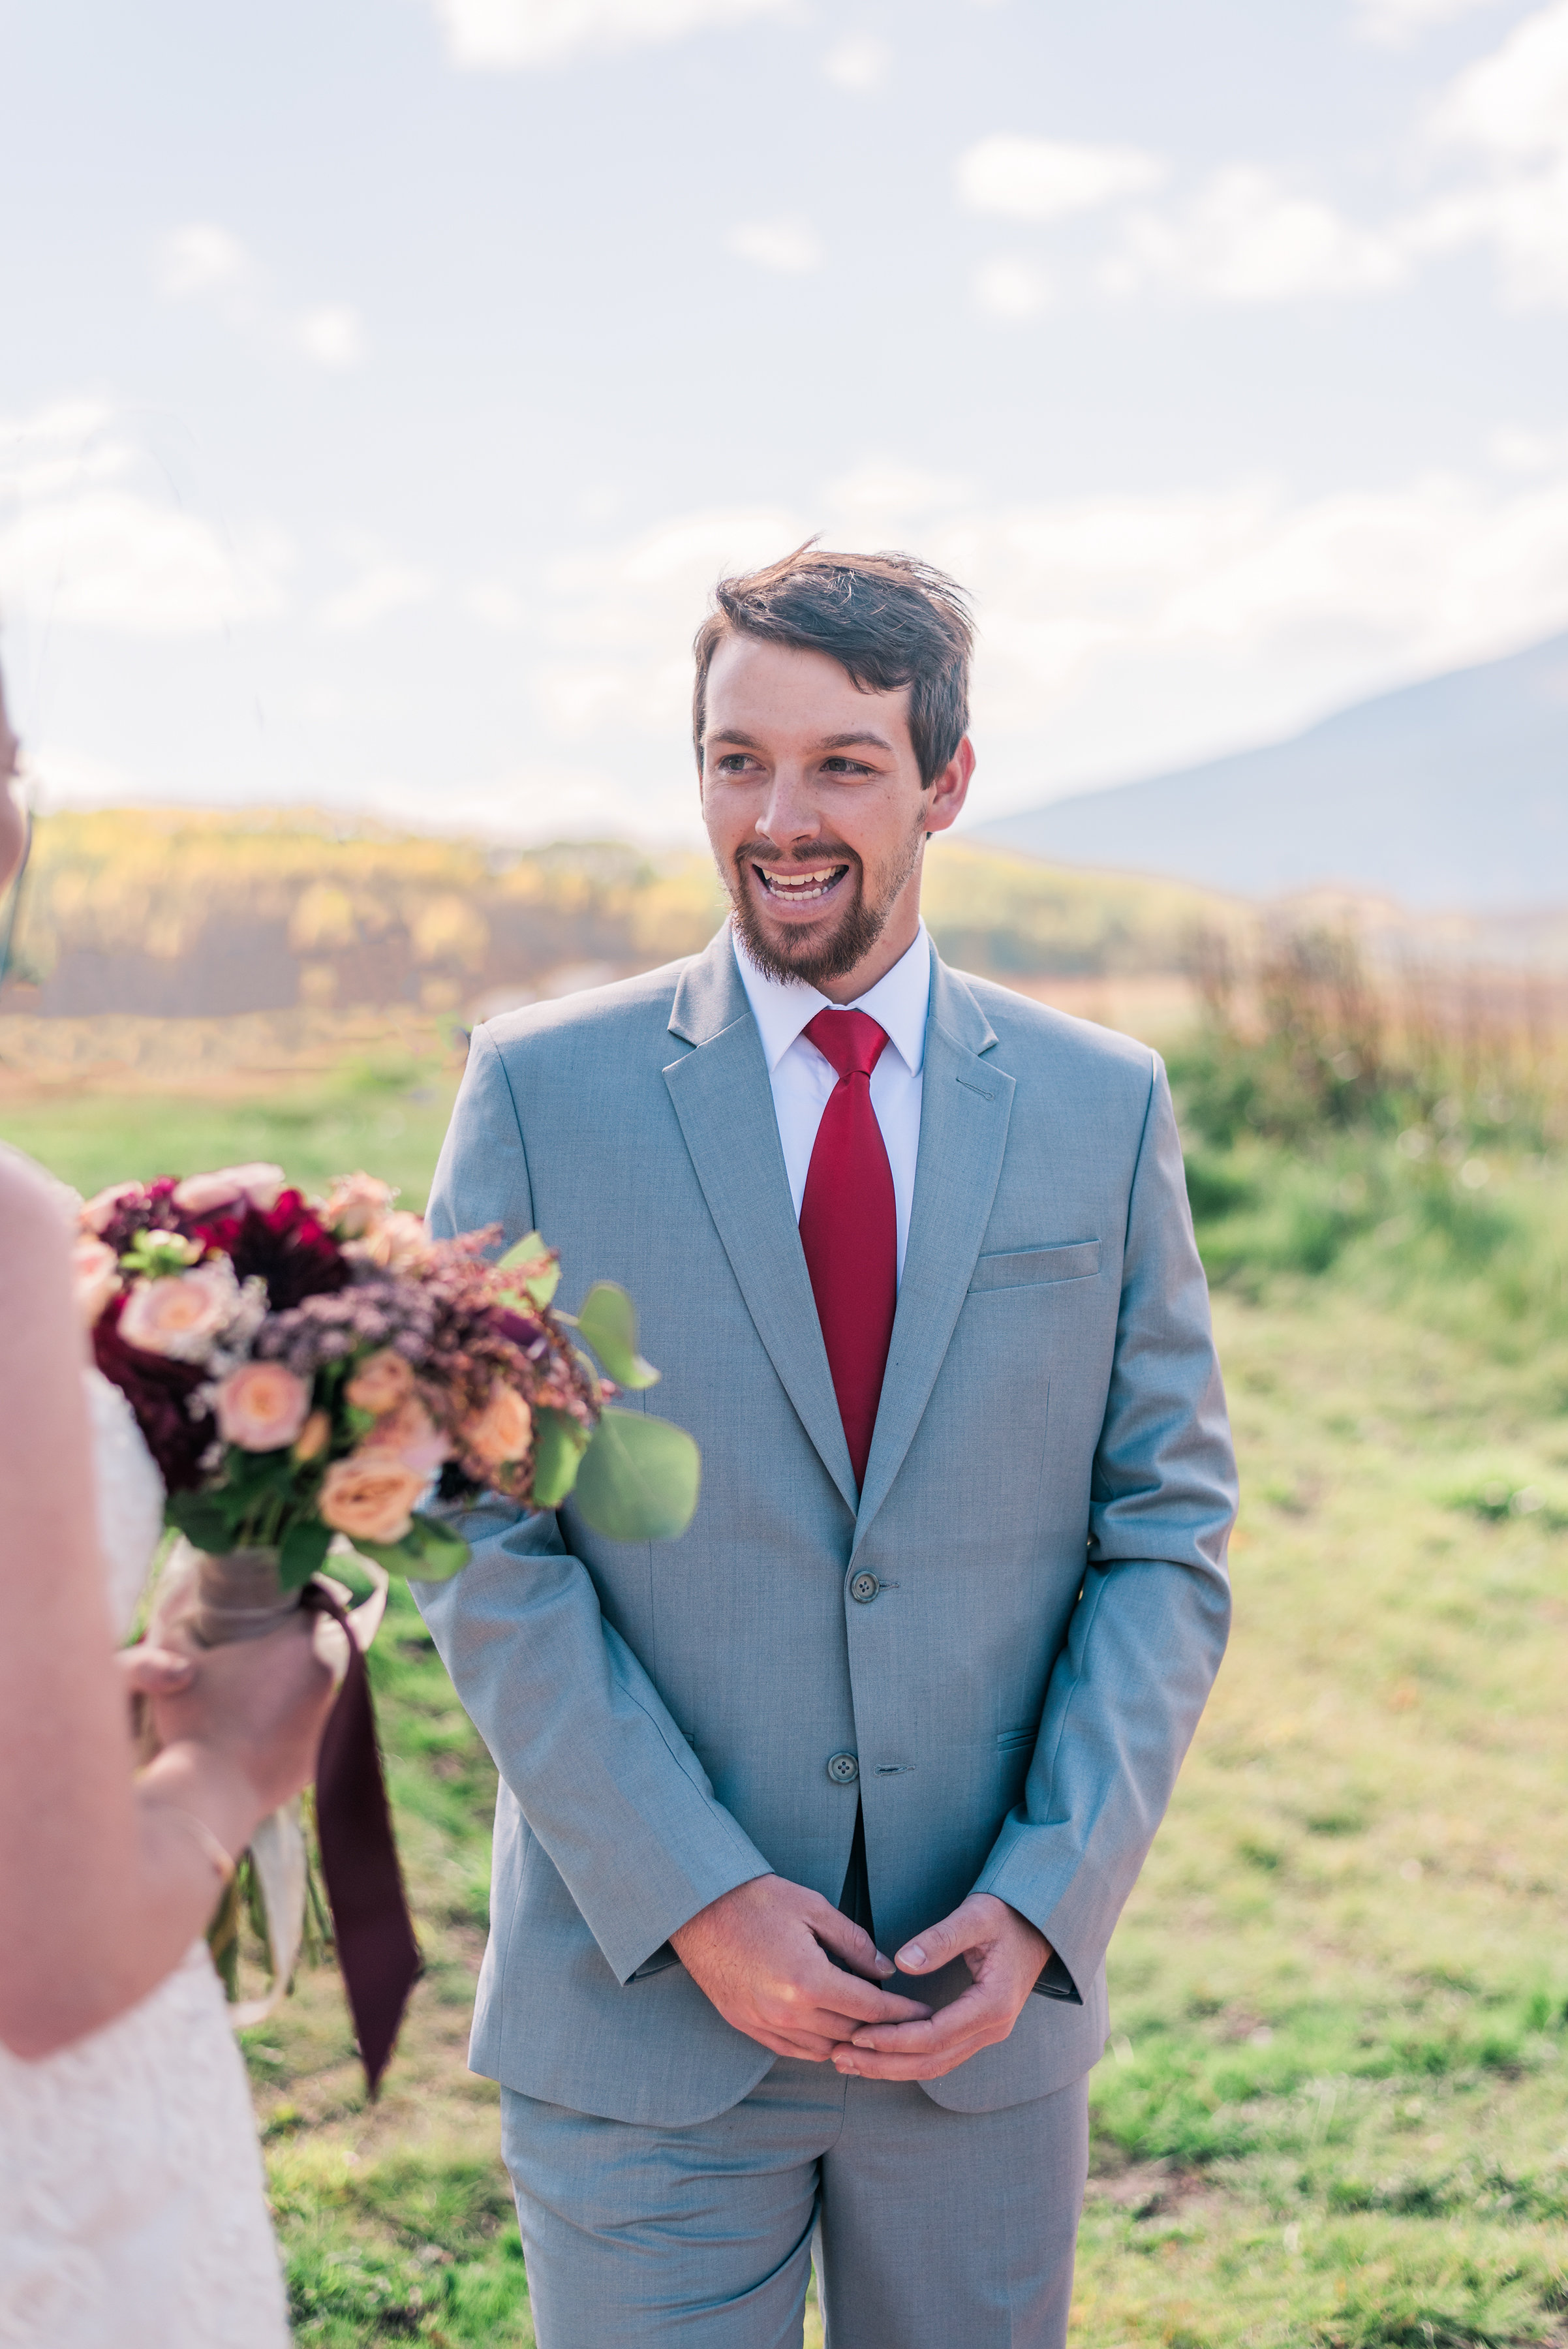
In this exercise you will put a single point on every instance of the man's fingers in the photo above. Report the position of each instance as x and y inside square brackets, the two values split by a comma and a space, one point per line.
[967, 1927]
[849, 1945]
[860, 2002]
[975, 2010]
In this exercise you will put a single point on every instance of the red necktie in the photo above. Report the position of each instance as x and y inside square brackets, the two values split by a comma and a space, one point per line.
[850, 1226]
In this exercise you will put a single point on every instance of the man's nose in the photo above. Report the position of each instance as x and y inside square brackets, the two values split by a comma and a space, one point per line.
[789, 815]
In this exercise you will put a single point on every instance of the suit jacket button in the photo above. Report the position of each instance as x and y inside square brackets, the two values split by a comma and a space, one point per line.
[863, 1588]
[843, 1769]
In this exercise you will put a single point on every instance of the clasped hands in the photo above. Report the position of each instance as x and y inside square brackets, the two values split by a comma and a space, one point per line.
[783, 1965]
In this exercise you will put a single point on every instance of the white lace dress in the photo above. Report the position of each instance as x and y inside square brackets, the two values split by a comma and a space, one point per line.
[132, 2205]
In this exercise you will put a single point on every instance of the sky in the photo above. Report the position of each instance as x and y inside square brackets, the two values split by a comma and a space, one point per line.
[384, 383]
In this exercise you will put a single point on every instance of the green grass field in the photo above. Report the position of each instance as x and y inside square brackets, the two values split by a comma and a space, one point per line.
[1336, 2107]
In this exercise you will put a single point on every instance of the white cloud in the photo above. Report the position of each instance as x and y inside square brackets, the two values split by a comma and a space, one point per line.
[1011, 288]
[201, 258]
[91, 537]
[788, 246]
[497, 605]
[1392, 23]
[1514, 103]
[1116, 633]
[860, 62]
[507, 36]
[332, 334]
[1048, 179]
[1243, 238]
[381, 589]
[1510, 112]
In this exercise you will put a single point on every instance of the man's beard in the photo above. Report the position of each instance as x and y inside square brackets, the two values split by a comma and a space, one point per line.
[857, 930]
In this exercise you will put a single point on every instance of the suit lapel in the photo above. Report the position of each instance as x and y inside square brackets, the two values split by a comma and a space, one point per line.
[723, 1100]
[965, 1103]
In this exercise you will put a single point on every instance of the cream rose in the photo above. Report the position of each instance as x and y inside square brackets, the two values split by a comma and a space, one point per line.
[258, 1181]
[381, 1383]
[369, 1497]
[181, 1315]
[96, 1271]
[99, 1211]
[410, 1434]
[356, 1204]
[500, 1432]
[262, 1407]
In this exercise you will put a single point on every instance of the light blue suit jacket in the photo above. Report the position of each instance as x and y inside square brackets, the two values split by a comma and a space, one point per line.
[1045, 1512]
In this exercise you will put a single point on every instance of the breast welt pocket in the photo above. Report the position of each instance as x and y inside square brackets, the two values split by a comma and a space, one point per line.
[1033, 1268]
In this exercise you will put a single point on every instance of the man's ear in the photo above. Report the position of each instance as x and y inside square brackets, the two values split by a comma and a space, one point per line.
[950, 789]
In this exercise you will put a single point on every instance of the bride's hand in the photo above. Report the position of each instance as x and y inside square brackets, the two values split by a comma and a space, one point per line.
[149, 1671]
[253, 1712]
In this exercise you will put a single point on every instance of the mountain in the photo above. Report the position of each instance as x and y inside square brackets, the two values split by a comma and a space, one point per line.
[1451, 793]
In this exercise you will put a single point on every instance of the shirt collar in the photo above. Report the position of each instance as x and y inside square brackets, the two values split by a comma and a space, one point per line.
[898, 1003]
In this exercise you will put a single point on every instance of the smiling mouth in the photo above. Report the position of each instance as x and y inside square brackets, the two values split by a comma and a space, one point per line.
[799, 888]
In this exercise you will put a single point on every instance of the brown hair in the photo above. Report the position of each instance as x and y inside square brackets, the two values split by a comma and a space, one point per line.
[889, 619]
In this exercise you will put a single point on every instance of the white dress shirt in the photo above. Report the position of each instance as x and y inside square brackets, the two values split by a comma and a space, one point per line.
[803, 1080]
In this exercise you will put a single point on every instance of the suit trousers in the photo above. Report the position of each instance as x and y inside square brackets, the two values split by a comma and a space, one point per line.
[928, 2226]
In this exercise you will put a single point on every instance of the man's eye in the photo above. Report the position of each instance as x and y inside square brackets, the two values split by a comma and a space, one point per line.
[845, 766]
[733, 761]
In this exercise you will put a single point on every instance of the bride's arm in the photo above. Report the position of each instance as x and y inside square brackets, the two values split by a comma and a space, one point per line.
[104, 1884]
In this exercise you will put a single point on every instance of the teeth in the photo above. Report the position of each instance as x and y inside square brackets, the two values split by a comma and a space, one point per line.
[806, 887]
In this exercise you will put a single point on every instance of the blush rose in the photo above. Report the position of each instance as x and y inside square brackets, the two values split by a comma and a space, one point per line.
[262, 1407]
[181, 1315]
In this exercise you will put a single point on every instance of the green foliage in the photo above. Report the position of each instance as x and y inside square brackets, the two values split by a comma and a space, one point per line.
[607, 1322]
[640, 1477]
[539, 1266]
[559, 1444]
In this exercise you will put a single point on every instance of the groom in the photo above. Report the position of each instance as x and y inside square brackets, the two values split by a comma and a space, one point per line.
[914, 1256]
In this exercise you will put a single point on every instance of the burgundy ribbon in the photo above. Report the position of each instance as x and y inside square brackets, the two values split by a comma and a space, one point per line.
[376, 1950]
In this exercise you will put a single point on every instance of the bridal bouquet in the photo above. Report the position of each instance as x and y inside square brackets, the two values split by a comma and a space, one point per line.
[313, 1374]
[304, 1368]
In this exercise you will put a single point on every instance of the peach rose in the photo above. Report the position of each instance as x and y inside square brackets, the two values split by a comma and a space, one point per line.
[396, 1243]
[257, 1181]
[410, 1434]
[96, 1270]
[356, 1204]
[262, 1407]
[369, 1497]
[381, 1383]
[313, 1438]
[500, 1432]
[181, 1315]
[99, 1211]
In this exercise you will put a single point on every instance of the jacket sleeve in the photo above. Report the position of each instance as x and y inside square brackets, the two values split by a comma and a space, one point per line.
[1147, 1635]
[603, 1777]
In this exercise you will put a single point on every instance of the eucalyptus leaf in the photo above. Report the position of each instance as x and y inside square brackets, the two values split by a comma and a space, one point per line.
[559, 1444]
[427, 1553]
[607, 1322]
[442, 1553]
[639, 1478]
[538, 1286]
[303, 1553]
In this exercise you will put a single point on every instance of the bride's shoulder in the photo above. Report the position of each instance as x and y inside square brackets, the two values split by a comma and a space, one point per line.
[27, 1191]
[35, 1235]
[33, 1206]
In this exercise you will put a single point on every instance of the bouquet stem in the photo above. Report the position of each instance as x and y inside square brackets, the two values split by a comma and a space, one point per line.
[239, 1597]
